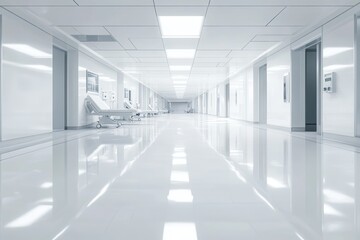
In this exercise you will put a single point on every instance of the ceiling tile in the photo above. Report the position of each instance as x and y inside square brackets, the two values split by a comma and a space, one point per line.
[151, 54]
[115, 2]
[184, 43]
[240, 16]
[284, 2]
[37, 3]
[114, 54]
[92, 30]
[102, 16]
[147, 43]
[260, 45]
[302, 16]
[215, 53]
[270, 38]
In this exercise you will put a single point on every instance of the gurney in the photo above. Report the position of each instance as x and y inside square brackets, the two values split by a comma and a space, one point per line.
[96, 106]
[140, 112]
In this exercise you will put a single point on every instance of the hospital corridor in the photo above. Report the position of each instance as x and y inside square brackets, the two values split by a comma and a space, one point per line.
[179, 119]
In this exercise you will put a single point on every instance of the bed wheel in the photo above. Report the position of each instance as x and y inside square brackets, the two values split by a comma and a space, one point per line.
[98, 126]
[139, 119]
[118, 125]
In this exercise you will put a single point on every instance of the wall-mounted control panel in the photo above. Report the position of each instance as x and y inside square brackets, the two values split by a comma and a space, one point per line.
[329, 82]
[286, 82]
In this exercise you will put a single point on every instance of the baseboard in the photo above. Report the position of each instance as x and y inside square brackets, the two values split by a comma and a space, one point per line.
[298, 129]
[80, 127]
[342, 139]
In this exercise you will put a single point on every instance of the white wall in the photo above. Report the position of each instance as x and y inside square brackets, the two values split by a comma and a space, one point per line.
[222, 97]
[278, 111]
[242, 95]
[26, 81]
[179, 107]
[339, 107]
[107, 82]
[212, 104]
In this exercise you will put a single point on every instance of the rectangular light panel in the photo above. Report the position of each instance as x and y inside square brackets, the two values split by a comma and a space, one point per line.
[181, 26]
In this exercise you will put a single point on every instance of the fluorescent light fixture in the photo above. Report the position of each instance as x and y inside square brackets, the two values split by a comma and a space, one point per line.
[28, 50]
[82, 69]
[180, 231]
[181, 26]
[333, 51]
[180, 176]
[30, 217]
[180, 53]
[180, 68]
[180, 196]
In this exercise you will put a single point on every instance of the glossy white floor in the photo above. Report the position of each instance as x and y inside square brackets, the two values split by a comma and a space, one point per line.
[181, 177]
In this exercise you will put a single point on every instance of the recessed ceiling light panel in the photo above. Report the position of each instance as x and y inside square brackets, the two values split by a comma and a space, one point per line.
[181, 26]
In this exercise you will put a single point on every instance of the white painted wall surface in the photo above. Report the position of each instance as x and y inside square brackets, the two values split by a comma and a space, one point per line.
[107, 82]
[278, 112]
[26, 81]
[242, 87]
[338, 107]
[222, 98]
[212, 104]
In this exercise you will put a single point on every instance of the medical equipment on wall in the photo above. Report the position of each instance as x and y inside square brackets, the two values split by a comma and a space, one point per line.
[286, 87]
[112, 96]
[329, 82]
[104, 96]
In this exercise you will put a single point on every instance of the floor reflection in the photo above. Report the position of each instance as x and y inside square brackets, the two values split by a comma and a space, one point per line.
[187, 177]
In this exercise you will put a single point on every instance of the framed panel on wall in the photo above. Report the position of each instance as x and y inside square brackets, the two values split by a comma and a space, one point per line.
[92, 82]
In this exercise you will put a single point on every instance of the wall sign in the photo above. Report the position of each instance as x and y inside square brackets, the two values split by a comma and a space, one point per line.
[92, 82]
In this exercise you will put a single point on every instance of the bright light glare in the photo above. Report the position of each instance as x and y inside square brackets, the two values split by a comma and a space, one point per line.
[179, 161]
[179, 155]
[332, 51]
[179, 77]
[264, 199]
[328, 210]
[278, 68]
[107, 79]
[180, 82]
[335, 67]
[336, 197]
[39, 67]
[180, 231]
[275, 183]
[30, 217]
[181, 26]
[180, 53]
[28, 50]
[180, 196]
[46, 185]
[179, 176]
[180, 68]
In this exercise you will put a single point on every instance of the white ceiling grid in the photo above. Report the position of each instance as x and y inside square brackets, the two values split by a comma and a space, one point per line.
[235, 32]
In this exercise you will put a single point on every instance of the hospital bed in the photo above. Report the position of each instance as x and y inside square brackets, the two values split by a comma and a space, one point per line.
[96, 106]
[154, 112]
[140, 112]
